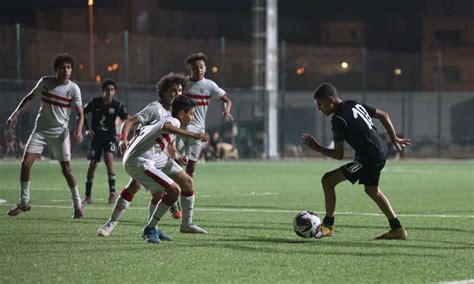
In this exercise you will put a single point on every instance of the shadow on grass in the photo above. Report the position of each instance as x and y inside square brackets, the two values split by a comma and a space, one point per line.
[333, 243]
[239, 245]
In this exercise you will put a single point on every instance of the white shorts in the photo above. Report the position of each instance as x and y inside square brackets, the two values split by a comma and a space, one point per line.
[189, 147]
[60, 146]
[153, 174]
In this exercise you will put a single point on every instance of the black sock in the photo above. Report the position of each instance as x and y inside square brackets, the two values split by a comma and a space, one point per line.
[112, 182]
[395, 224]
[329, 221]
[89, 186]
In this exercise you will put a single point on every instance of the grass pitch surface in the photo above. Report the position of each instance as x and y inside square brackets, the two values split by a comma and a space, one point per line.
[248, 208]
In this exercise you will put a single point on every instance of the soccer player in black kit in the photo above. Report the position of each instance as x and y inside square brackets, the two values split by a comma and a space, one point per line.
[352, 122]
[105, 110]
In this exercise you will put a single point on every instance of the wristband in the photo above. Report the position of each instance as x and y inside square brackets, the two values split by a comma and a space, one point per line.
[123, 136]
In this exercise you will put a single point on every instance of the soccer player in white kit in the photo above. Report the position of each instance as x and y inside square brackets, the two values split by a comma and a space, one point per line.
[168, 88]
[200, 90]
[156, 169]
[58, 95]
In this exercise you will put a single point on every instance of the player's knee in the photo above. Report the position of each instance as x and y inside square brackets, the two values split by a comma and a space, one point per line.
[187, 184]
[372, 191]
[326, 180]
[173, 190]
[66, 170]
[26, 165]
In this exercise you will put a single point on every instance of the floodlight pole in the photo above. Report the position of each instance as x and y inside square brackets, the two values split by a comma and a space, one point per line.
[90, 7]
[271, 78]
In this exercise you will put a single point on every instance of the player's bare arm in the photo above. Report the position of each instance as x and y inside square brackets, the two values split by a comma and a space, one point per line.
[227, 108]
[79, 124]
[384, 118]
[173, 152]
[336, 153]
[124, 130]
[89, 131]
[204, 137]
[25, 102]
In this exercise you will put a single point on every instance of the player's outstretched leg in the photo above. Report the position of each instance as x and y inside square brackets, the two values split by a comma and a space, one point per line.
[187, 203]
[329, 182]
[150, 232]
[396, 232]
[25, 202]
[121, 205]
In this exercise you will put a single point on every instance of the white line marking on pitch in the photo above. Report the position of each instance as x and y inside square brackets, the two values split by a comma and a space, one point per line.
[467, 281]
[265, 211]
[2, 201]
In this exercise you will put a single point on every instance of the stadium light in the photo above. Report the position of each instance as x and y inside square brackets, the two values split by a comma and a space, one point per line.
[397, 71]
[299, 71]
[214, 69]
[344, 65]
[90, 2]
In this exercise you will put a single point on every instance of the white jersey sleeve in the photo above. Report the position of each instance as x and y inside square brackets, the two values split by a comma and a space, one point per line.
[216, 90]
[151, 113]
[143, 145]
[76, 95]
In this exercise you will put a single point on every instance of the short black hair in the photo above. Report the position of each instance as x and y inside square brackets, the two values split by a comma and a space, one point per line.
[181, 103]
[106, 82]
[60, 59]
[325, 90]
[195, 56]
[169, 80]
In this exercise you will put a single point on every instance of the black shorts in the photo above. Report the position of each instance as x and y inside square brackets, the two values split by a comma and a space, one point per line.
[98, 146]
[367, 172]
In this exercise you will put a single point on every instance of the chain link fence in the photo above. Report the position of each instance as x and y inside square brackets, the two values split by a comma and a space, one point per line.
[416, 89]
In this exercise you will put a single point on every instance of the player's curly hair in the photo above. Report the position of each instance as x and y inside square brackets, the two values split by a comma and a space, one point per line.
[325, 90]
[181, 103]
[168, 80]
[106, 82]
[60, 59]
[195, 56]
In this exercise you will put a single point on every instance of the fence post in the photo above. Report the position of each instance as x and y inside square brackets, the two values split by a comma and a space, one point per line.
[282, 95]
[223, 61]
[364, 73]
[18, 73]
[439, 87]
[126, 59]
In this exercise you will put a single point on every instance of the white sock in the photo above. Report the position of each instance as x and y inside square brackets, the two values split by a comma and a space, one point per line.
[187, 207]
[161, 210]
[25, 191]
[119, 209]
[151, 210]
[76, 198]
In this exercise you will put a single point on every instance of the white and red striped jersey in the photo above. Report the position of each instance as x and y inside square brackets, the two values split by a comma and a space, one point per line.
[152, 113]
[56, 103]
[201, 93]
[151, 141]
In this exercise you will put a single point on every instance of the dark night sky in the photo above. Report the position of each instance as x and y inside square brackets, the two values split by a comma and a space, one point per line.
[391, 24]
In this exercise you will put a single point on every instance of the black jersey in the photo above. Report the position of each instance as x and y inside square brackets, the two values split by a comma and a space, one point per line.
[352, 122]
[103, 116]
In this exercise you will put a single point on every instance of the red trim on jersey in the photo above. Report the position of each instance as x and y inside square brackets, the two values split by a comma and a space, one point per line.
[56, 97]
[198, 97]
[156, 178]
[55, 103]
[167, 138]
[202, 103]
[162, 145]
